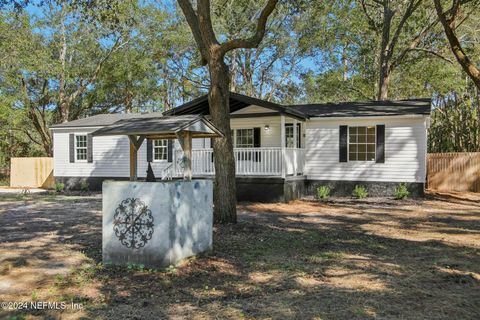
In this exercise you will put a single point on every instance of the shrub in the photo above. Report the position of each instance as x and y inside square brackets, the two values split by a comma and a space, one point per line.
[59, 187]
[323, 193]
[401, 192]
[84, 185]
[360, 192]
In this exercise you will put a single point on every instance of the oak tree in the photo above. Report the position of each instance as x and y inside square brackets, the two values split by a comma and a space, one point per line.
[212, 53]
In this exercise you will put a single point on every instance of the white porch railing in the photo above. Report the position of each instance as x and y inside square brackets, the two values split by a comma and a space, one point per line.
[294, 161]
[248, 161]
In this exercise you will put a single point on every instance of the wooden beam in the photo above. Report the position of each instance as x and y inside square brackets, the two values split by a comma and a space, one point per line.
[135, 144]
[133, 162]
[254, 115]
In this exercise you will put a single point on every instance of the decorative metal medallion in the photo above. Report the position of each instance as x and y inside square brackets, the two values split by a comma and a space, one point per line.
[133, 223]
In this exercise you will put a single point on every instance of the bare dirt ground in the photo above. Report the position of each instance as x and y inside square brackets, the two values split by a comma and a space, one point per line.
[346, 259]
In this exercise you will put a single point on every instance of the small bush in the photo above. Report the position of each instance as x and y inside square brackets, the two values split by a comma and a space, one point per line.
[84, 185]
[401, 192]
[59, 187]
[323, 193]
[360, 192]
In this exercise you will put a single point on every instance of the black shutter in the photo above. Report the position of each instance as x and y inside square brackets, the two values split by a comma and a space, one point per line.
[149, 150]
[380, 154]
[299, 135]
[89, 148]
[169, 150]
[71, 147]
[257, 143]
[343, 155]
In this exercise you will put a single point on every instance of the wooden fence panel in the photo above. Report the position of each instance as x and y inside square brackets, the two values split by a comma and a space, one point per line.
[453, 171]
[31, 172]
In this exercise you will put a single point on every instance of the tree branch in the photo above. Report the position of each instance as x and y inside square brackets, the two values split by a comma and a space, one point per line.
[412, 6]
[470, 69]
[194, 24]
[254, 40]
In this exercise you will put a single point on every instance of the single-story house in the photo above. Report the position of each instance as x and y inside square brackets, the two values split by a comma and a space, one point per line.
[282, 151]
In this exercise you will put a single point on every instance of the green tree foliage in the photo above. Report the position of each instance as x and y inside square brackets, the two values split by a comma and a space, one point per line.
[455, 123]
[66, 59]
[346, 41]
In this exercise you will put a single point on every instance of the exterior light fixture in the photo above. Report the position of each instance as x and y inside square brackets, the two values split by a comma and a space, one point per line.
[267, 127]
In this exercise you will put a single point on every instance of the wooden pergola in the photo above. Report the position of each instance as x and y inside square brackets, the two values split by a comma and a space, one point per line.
[183, 127]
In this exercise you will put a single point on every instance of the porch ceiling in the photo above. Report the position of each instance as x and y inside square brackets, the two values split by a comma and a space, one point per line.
[237, 102]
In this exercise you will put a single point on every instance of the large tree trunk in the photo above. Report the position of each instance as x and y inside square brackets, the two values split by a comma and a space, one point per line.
[384, 74]
[224, 192]
[383, 84]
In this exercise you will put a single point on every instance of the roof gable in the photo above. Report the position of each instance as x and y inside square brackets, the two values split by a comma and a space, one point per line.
[236, 102]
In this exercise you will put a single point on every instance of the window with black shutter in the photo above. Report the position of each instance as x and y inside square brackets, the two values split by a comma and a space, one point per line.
[343, 144]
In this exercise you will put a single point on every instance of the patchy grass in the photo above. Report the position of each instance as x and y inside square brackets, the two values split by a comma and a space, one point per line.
[348, 259]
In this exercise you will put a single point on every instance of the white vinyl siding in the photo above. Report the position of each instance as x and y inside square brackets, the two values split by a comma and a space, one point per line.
[253, 109]
[111, 157]
[405, 151]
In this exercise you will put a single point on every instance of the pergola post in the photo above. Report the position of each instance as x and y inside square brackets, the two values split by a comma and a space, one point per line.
[185, 139]
[135, 144]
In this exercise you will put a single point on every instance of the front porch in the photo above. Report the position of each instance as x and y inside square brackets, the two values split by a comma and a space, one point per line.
[268, 140]
[262, 161]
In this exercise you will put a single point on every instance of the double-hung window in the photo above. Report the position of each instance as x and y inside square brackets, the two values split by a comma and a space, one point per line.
[81, 148]
[244, 138]
[160, 150]
[289, 136]
[361, 143]
[289, 139]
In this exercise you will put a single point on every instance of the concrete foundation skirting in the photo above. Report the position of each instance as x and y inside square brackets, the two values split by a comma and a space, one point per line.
[93, 183]
[374, 188]
[274, 189]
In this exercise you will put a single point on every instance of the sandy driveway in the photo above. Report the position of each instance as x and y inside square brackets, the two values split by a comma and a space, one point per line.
[346, 259]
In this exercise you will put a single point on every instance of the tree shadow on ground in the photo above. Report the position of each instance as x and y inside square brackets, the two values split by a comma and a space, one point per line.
[334, 261]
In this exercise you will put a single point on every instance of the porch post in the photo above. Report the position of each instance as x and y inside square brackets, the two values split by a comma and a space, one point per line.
[295, 141]
[282, 137]
[295, 134]
[185, 139]
[133, 162]
[134, 146]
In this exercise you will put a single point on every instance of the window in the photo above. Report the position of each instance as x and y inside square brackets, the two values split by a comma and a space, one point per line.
[81, 147]
[289, 135]
[289, 139]
[244, 138]
[361, 143]
[160, 148]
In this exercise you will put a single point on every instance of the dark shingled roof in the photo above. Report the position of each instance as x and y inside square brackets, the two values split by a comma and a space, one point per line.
[165, 126]
[366, 109]
[199, 106]
[236, 101]
[102, 120]
[345, 109]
